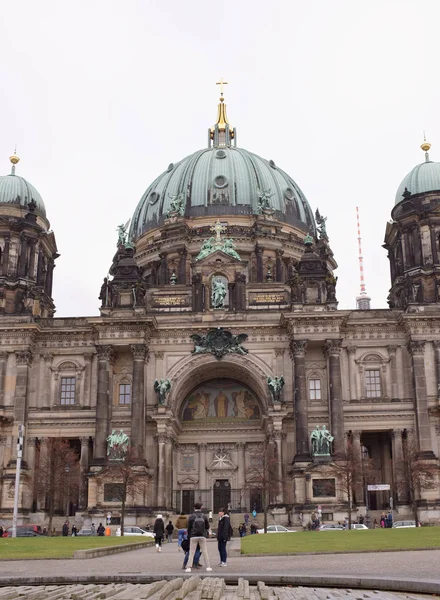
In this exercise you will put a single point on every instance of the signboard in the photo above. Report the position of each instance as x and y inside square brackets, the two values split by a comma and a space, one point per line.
[166, 301]
[378, 487]
[268, 298]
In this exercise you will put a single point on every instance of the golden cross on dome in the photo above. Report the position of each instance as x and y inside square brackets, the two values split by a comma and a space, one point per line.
[218, 229]
[221, 83]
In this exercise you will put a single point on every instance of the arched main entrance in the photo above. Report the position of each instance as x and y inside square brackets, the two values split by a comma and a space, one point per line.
[222, 423]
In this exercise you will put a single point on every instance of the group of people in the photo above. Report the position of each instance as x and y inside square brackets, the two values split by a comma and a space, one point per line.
[192, 535]
[386, 520]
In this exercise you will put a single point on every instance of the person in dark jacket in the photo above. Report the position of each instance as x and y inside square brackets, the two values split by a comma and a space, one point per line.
[170, 529]
[198, 528]
[159, 531]
[223, 535]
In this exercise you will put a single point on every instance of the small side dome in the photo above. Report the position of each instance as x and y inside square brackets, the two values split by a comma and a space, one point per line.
[423, 178]
[16, 190]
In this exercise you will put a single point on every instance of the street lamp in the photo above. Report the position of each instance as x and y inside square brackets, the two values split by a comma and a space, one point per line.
[365, 456]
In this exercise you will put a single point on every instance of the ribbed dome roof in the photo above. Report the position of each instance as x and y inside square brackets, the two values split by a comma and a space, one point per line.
[423, 178]
[16, 190]
[223, 181]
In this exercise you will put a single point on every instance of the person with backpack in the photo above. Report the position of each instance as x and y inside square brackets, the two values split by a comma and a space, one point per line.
[170, 529]
[198, 528]
[159, 531]
[223, 535]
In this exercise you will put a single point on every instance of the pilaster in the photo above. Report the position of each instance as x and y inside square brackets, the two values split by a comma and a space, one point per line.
[298, 352]
[333, 349]
[102, 426]
[139, 352]
[417, 351]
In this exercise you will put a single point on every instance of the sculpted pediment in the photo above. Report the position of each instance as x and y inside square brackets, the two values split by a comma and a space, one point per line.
[216, 256]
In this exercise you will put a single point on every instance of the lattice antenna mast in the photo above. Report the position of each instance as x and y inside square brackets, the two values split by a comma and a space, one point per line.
[363, 300]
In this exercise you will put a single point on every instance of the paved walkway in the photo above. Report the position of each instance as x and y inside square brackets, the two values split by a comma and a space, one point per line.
[394, 565]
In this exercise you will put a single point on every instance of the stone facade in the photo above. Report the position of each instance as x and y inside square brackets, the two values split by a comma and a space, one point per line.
[370, 376]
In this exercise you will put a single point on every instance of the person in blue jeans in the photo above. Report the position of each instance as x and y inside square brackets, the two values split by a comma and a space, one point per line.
[185, 547]
[223, 535]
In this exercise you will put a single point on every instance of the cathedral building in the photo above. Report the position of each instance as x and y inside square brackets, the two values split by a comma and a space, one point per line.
[219, 337]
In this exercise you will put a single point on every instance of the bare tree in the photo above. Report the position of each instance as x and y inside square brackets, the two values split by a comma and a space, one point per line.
[415, 475]
[57, 475]
[126, 480]
[350, 471]
[263, 476]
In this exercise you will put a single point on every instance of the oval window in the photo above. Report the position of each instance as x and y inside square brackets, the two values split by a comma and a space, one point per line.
[220, 181]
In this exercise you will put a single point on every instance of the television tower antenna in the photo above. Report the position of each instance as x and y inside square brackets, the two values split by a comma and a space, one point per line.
[363, 300]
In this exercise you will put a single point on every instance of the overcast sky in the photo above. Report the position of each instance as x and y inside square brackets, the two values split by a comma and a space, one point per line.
[100, 96]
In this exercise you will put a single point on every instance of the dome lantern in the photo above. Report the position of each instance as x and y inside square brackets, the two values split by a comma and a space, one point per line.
[221, 133]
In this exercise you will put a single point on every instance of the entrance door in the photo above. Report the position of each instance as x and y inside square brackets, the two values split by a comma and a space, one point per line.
[222, 494]
[187, 502]
[256, 498]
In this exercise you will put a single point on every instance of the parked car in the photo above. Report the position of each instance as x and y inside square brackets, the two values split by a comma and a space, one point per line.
[24, 531]
[359, 526]
[85, 531]
[331, 527]
[132, 530]
[405, 524]
[276, 529]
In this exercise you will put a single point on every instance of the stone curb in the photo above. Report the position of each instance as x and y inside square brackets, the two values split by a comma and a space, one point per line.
[421, 586]
[106, 550]
[237, 552]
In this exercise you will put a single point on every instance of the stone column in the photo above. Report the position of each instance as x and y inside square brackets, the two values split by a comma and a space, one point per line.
[168, 471]
[181, 270]
[202, 466]
[298, 350]
[163, 269]
[351, 352]
[436, 344]
[47, 377]
[393, 371]
[105, 355]
[23, 360]
[399, 491]
[5, 263]
[49, 277]
[417, 350]
[278, 439]
[84, 469]
[241, 457]
[333, 349]
[139, 352]
[23, 256]
[357, 454]
[30, 494]
[279, 266]
[259, 254]
[88, 358]
[3, 364]
[161, 482]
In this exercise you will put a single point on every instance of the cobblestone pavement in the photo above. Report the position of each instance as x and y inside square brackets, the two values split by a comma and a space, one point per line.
[407, 565]
[194, 588]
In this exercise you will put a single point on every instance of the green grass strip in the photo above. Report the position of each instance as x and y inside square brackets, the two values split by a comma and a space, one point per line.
[57, 547]
[371, 540]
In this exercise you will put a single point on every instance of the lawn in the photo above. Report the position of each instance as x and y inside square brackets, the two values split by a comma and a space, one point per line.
[342, 541]
[57, 547]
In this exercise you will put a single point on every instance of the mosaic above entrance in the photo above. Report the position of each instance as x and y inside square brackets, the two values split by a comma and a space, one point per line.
[221, 399]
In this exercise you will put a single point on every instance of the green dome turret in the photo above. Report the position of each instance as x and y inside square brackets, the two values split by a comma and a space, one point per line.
[423, 178]
[16, 190]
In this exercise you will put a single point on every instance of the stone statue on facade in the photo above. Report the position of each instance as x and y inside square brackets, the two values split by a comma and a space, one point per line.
[138, 295]
[177, 206]
[162, 388]
[264, 197]
[218, 293]
[122, 233]
[330, 285]
[320, 220]
[229, 248]
[117, 445]
[297, 288]
[275, 385]
[219, 342]
[321, 440]
[106, 293]
[207, 248]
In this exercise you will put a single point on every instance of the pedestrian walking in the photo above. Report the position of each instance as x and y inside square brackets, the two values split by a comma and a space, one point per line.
[181, 525]
[93, 529]
[210, 518]
[198, 528]
[159, 532]
[185, 547]
[170, 528]
[65, 529]
[246, 519]
[223, 535]
[74, 531]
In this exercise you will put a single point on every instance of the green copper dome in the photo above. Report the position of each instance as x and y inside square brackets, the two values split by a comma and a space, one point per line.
[223, 180]
[16, 190]
[423, 178]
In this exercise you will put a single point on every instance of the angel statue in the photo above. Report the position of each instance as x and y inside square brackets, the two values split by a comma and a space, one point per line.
[122, 233]
[263, 199]
[321, 224]
[117, 445]
[275, 385]
[162, 389]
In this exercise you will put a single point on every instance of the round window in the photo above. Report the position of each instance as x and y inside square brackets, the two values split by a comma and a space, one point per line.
[220, 181]
[154, 197]
[272, 164]
[289, 193]
[220, 154]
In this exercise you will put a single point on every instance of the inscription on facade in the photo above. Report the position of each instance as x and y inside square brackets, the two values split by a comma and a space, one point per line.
[271, 298]
[159, 301]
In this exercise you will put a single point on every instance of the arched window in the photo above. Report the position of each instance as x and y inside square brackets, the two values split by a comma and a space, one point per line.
[373, 368]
